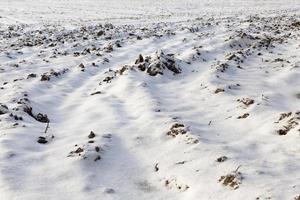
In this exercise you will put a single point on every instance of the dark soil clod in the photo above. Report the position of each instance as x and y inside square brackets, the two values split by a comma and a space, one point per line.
[42, 140]
[91, 135]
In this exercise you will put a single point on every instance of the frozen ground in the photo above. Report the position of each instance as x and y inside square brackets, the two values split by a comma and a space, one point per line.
[178, 100]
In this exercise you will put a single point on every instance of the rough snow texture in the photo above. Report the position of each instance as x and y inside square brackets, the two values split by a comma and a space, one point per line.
[149, 100]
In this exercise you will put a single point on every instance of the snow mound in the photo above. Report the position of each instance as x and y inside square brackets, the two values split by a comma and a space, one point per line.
[157, 64]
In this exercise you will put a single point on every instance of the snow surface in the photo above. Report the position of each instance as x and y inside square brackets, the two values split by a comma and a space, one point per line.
[210, 110]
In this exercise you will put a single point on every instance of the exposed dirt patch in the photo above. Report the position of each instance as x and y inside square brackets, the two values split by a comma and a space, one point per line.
[222, 159]
[289, 120]
[233, 179]
[47, 76]
[246, 101]
[244, 116]
[218, 90]
[177, 129]
[38, 117]
[3, 109]
[180, 130]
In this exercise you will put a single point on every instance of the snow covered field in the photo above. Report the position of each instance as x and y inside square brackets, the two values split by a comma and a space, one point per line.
[145, 99]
